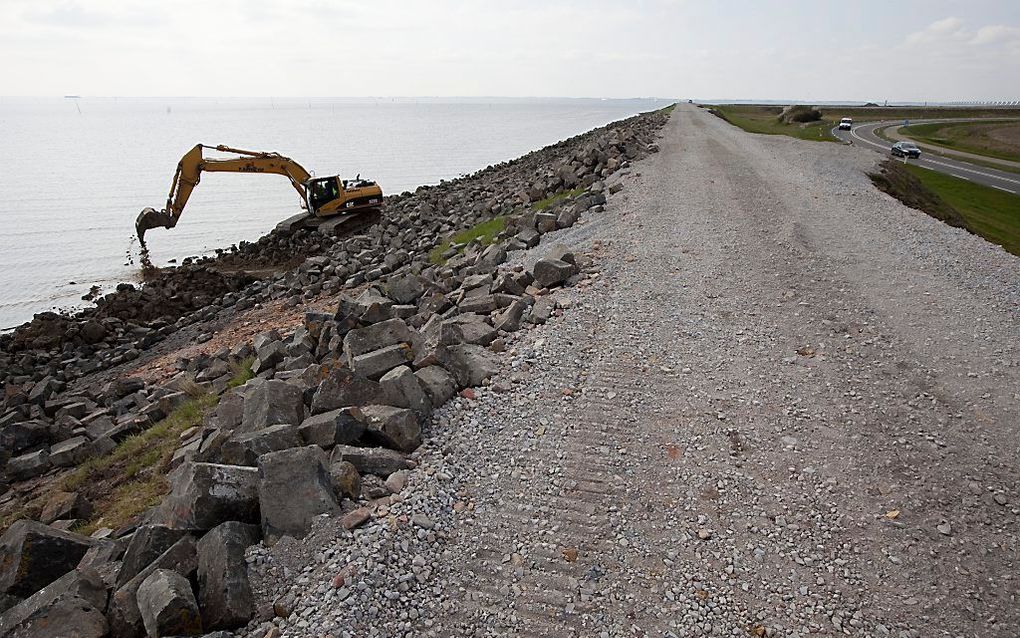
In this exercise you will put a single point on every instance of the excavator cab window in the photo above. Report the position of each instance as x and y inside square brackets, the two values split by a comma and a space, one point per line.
[322, 191]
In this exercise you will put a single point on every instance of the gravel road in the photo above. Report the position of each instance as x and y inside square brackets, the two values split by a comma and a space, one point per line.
[786, 406]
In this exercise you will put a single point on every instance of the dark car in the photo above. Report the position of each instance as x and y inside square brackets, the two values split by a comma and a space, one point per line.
[906, 149]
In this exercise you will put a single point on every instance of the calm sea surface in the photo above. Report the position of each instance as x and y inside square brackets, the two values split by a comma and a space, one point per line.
[74, 172]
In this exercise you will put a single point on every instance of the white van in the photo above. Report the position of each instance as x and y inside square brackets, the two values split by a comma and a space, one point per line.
[846, 124]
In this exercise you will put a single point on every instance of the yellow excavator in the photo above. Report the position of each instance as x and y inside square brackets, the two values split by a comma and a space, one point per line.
[322, 197]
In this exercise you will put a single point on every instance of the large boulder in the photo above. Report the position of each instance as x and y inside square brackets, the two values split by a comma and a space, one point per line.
[29, 465]
[203, 495]
[376, 363]
[438, 383]
[33, 555]
[330, 428]
[294, 487]
[343, 388]
[466, 328]
[403, 389]
[17, 437]
[469, 364]
[551, 272]
[70, 452]
[246, 448]
[271, 403]
[405, 289]
[71, 606]
[385, 333]
[65, 506]
[230, 410]
[224, 591]
[379, 461]
[124, 616]
[168, 606]
[396, 428]
[147, 544]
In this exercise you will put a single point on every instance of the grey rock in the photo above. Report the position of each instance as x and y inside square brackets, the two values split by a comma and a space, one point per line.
[123, 614]
[28, 465]
[203, 495]
[17, 437]
[33, 555]
[148, 543]
[330, 428]
[529, 237]
[65, 505]
[343, 388]
[246, 448]
[397, 428]
[542, 310]
[403, 389]
[438, 383]
[405, 289]
[168, 606]
[230, 410]
[268, 356]
[469, 328]
[551, 272]
[370, 460]
[224, 590]
[272, 403]
[510, 319]
[469, 364]
[70, 452]
[71, 606]
[294, 487]
[376, 363]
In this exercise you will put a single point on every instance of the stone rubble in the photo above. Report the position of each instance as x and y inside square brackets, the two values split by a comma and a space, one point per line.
[332, 421]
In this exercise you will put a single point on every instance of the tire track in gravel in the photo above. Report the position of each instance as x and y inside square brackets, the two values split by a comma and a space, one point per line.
[742, 412]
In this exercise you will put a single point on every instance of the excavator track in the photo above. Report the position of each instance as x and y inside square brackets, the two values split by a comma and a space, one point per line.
[342, 225]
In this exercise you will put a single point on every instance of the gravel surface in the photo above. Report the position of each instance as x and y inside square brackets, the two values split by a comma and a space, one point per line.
[785, 406]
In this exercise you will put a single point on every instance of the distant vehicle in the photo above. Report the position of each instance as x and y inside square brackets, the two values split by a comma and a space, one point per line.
[846, 124]
[905, 149]
[690, 101]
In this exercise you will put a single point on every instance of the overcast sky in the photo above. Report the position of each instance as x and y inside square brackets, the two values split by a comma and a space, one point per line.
[814, 50]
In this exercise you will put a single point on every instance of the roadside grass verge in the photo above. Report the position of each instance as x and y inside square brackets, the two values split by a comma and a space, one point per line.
[984, 211]
[970, 137]
[485, 231]
[765, 120]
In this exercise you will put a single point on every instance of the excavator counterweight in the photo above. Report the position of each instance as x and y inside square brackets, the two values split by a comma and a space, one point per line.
[321, 197]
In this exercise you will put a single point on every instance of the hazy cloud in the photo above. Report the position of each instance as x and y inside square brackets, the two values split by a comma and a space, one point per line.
[910, 49]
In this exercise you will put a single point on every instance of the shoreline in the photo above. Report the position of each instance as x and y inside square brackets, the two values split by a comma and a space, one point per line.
[179, 365]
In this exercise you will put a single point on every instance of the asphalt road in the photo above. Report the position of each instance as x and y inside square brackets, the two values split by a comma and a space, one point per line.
[1003, 180]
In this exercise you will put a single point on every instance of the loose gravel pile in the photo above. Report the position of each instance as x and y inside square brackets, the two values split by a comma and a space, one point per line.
[787, 406]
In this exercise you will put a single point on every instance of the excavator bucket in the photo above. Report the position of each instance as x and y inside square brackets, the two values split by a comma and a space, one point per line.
[151, 218]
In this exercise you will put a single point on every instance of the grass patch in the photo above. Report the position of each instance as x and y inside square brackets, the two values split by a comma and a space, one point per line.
[984, 211]
[543, 204]
[242, 372]
[765, 120]
[485, 232]
[970, 137]
[131, 479]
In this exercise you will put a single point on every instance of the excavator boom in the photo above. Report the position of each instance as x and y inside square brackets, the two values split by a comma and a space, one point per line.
[193, 164]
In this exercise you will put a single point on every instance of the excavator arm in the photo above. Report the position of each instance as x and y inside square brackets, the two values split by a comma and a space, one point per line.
[189, 173]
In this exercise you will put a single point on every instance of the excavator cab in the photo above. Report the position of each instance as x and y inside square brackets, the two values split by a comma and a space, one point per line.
[321, 191]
